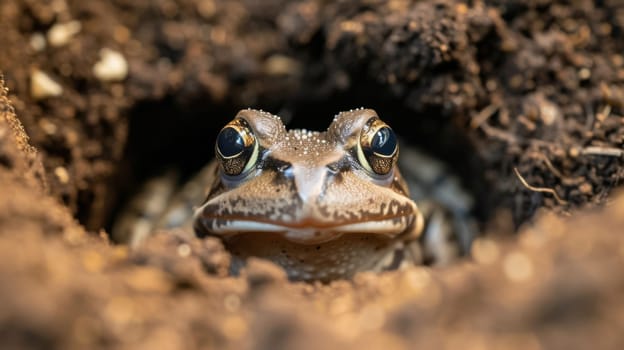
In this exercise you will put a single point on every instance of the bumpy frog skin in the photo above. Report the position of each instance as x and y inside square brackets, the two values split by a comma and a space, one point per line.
[323, 205]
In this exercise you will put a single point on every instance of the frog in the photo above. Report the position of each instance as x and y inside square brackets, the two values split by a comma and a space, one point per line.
[323, 205]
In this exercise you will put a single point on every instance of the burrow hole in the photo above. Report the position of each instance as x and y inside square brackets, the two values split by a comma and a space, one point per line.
[172, 135]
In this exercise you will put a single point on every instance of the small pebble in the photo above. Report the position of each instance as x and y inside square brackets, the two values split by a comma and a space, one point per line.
[37, 42]
[47, 126]
[584, 73]
[549, 112]
[42, 86]
[586, 188]
[62, 174]
[280, 65]
[61, 33]
[112, 66]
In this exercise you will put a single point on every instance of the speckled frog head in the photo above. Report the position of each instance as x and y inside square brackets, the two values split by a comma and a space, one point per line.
[323, 205]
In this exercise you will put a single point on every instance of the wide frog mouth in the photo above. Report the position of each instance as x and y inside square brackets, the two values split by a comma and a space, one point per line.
[270, 205]
[308, 232]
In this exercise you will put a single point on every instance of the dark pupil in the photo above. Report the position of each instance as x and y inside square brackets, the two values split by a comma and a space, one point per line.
[230, 142]
[384, 142]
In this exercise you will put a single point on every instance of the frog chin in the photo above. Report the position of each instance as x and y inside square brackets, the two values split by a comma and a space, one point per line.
[309, 233]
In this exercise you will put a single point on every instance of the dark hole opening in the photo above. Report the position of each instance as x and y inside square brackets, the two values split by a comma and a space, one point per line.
[170, 134]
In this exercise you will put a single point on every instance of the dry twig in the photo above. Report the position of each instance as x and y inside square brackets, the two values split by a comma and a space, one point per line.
[499, 134]
[602, 151]
[484, 115]
[566, 180]
[539, 189]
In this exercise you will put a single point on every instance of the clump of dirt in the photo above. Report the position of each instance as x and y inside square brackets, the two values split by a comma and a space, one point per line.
[522, 99]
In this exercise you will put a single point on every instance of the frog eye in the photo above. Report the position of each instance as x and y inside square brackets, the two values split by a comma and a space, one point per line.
[236, 147]
[378, 147]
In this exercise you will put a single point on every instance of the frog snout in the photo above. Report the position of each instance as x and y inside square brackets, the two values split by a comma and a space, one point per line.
[309, 182]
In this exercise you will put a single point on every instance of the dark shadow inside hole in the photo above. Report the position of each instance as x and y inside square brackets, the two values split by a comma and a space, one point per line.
[165, 135]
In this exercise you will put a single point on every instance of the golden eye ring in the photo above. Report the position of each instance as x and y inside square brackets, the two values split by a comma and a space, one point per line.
[378, 147]
[236, 148]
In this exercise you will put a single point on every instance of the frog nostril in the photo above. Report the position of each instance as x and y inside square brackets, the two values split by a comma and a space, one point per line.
[284, 168]
[333, 168]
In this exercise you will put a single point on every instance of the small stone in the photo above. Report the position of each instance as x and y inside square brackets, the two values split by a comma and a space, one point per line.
[42, 86]
[37, 42]
[62, 174]
[47, 126]
[280, 65]
[112, 66]
[586, 188]
[584, 73]
[61, 33]
[549, 112]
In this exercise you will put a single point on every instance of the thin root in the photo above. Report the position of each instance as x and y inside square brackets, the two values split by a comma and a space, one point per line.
[602, 151]
[499, 134]
[484, 115]
[540, 189]
[574, 181]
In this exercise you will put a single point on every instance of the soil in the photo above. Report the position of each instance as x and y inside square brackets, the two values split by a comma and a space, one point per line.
[523, 99]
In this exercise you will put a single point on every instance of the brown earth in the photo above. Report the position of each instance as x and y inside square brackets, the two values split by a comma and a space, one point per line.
[503, 91]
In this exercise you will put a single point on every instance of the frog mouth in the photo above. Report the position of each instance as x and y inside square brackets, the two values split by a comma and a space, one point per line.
[310, 232]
